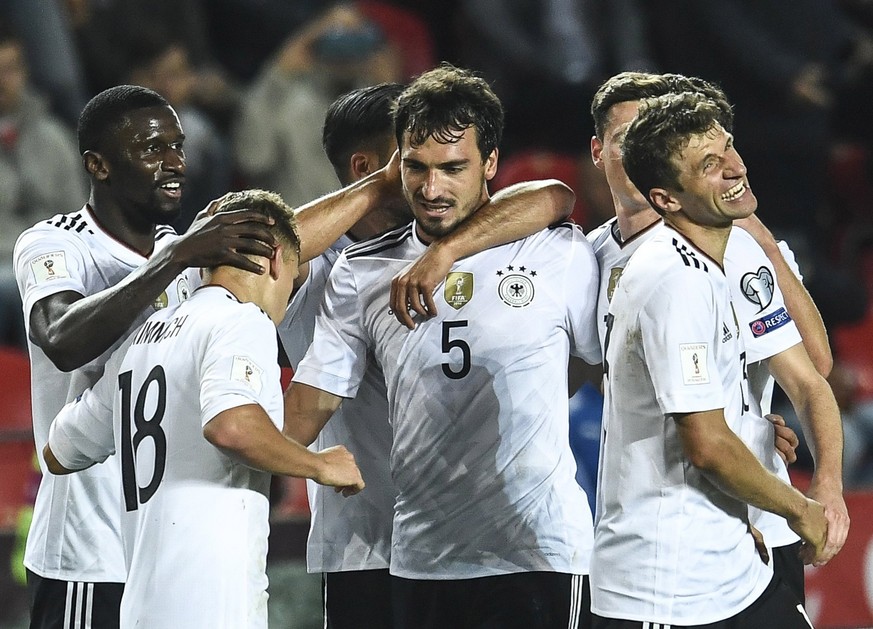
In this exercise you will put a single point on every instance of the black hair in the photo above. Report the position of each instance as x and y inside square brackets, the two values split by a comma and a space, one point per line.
[107, 110]
[358, 120]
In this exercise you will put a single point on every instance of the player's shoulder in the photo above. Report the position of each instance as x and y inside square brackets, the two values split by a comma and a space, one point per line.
[67, 226]
[603, 234]
[379, 245]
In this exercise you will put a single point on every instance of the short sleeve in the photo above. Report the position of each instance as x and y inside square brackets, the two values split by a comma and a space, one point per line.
[82, 433]
[336, 360]
[765, 323]
[239, 364]
[582, 279]
[46, 262]
[679, 331]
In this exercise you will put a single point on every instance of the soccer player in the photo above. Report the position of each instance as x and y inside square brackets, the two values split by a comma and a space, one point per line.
[672, 540]
[86, 278]
[350, 540]
[767, 320]
[89, 277]
[490, 527]
[193, 405]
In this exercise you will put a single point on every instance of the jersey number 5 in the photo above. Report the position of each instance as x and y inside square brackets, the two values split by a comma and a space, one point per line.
[449, 344]
[134, 495]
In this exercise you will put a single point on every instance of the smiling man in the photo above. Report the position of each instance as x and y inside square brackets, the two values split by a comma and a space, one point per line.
[783, 334]
[490, 527]
[672, 542]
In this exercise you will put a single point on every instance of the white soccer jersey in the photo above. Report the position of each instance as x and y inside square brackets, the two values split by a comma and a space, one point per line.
[759, 306]
[74, 535]
[477, 397]
[351, 533]
[612, 254]
[196, 525]
[669, 546]
[767, 330]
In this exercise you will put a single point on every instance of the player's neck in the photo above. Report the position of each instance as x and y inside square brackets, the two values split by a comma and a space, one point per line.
[248, 288]
[712, 240]
[139, 236]
[633, 220]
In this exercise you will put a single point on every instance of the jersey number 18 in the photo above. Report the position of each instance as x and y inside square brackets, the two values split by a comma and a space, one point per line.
[143, 428]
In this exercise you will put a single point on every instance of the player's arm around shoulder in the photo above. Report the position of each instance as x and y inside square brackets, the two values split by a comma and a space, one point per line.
[513, 213]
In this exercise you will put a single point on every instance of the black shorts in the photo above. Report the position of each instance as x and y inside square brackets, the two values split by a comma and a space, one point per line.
[789, 567]
[776, 608]
[359, 599]
[524, 600]
[71, 604]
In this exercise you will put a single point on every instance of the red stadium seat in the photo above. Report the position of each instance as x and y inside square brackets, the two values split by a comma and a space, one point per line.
[528, 165]
[407, 31]
[16, 436]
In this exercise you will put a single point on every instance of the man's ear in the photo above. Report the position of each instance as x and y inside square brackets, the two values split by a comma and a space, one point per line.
[95, 165]
[362, 163]
[597, 152]
[276, 260]
[663, 201]
[491, 165]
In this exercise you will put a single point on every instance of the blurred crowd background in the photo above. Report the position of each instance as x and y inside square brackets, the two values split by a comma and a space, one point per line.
[252, 79]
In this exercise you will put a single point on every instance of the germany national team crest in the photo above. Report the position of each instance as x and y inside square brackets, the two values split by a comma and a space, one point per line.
[459, 289]
[516, 289]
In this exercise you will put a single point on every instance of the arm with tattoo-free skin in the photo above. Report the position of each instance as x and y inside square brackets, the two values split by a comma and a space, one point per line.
[246, 434]
[307, 410]
[817, 409]
[513, 213]
[713, 448]
[73, 329]
[321, 222]
[798, 301]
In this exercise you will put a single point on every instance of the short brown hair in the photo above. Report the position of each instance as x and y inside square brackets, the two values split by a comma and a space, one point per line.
[284, 226]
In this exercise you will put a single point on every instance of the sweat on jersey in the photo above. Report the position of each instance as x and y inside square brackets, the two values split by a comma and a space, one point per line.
[477, 399]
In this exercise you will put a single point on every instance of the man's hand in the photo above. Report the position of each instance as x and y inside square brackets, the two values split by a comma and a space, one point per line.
[339, 471]
[837, 516]
[785, 439]
[812, 526]
[412, 289]
[760, 544]
[225, 239]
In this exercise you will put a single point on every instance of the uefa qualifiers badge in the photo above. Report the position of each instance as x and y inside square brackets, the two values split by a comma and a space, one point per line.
[459, 289]
[515, 289]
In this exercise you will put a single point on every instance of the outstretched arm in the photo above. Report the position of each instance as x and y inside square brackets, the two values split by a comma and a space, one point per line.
[798, 301]
[73, 329]
[247, 434]
[814, 403]
[512, 213]
[321, 222]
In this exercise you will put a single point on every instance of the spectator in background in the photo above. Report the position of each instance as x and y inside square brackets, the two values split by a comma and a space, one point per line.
[112, 35]
[781, 73]
[277, 141]
[168, 70]
[46, 34]
[546, 59]
[40, 171]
